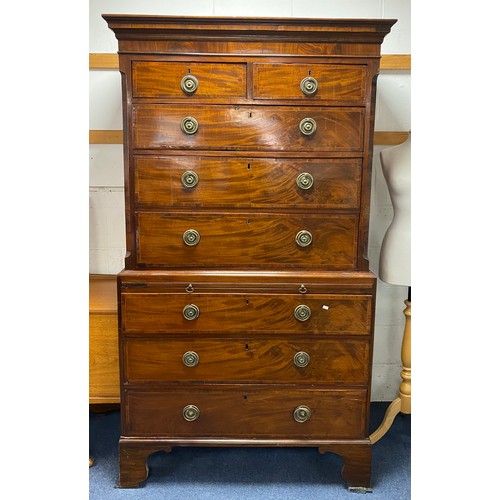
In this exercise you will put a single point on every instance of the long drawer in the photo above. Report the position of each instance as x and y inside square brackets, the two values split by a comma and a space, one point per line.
[260, 313]
[257, 360]
[271, 128]
[246, 240]
[245, 412]
[197, 181]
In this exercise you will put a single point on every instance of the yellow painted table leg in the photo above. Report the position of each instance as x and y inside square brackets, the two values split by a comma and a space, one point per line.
[403, 402]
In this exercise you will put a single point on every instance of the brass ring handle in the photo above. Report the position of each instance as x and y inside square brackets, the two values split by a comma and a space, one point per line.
[301, 359]
[189, 179]
[189, 125]
[307, 126]
[190, 358]
[303, 238]
[191, 312]
[302, 313]
[191, 237]
[302, 414]
[190, 412]
[309, 85]
[189, 84]
[305, 180]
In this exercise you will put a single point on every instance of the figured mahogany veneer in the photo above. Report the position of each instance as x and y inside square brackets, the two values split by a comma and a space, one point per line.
[229, 182]
[246, 307]
[246, 240]
[335, 82]
[233, 128]
[249, 359]
[261, 313]
[246, 412]
[161, 79]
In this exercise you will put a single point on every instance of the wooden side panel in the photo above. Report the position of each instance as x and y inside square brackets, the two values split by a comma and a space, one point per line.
[104, 377]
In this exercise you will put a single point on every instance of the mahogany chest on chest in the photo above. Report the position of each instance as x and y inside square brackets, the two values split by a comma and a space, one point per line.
[246, 307]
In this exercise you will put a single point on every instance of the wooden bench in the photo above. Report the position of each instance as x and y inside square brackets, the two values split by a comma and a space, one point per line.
[104, 378]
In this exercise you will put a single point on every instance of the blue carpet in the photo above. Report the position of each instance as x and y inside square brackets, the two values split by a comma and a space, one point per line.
[249, 473]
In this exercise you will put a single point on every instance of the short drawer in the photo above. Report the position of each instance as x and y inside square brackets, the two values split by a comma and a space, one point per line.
[156, 79]
[251, 359]
[187, 181]
[249, 240]
[256, 313]
[309, 81]
[245, 412]
[232, 128]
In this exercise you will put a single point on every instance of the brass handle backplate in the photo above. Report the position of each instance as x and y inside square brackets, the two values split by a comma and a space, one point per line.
[190, 358]
[190, 413]
[302, 414]
[303, 238]
[189, 125]
[191, 237]
[305, 180]
[309, 85]
[307, 126]
[189, 84]
[191, 311]
[302, 313]
[301, 359]
[189, 179]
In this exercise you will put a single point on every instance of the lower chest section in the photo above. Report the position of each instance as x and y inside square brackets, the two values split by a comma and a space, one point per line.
[230, 356]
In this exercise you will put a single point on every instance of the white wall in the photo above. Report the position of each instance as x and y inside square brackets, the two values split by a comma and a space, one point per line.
[106, 218]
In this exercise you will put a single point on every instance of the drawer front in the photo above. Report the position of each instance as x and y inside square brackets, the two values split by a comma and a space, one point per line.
[248, 412]
[246, 182]
[188, 79]
[249, 240]
[319, 81]
[273, 128]
[219, 313]
[330, 361]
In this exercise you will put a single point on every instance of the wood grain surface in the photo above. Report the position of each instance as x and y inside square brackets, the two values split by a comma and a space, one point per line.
[230, 128]
[163, 79]
[246, 182]
[335, 81]
[246, 240]
[246, 412]
[251, 359]
[225, 314]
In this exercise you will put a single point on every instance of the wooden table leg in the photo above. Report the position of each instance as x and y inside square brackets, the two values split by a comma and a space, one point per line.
[402, 404]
